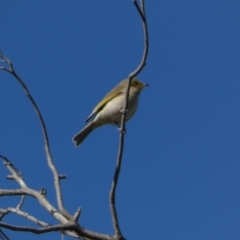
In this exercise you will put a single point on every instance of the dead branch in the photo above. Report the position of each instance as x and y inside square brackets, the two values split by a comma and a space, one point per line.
[58, 227]
[3, 236]
[141, 11]
[67, 226]
[68, 223]
[51, 165]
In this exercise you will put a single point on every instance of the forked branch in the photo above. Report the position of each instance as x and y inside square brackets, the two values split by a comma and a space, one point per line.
[10, 69]
[68, 223]
[67, 226]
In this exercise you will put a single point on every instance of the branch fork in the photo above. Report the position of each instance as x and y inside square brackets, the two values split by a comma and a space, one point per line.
[68, 223]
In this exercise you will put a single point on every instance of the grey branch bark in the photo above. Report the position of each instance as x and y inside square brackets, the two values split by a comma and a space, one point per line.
[67, 226]
[51, 165]
[141, 11]
[3, 236]
[68, 223]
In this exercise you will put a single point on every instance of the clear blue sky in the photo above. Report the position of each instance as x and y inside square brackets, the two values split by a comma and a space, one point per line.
[180, 178]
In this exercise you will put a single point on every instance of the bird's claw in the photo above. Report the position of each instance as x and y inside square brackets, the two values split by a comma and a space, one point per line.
[121, 111]
[123, 131]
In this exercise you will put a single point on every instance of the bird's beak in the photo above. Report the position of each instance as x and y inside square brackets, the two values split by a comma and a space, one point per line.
[146, 85]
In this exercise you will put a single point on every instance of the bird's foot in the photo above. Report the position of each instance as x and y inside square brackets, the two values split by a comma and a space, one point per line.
[124, 131]
[121, 111]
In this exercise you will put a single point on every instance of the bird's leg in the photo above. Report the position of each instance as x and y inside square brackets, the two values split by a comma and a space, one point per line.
[121, 111]
[120, 129]
[119, 125]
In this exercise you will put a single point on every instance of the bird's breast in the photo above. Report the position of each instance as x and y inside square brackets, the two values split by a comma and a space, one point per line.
[112, 111]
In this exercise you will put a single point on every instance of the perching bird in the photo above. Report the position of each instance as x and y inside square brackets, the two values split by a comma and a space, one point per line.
[109, 110]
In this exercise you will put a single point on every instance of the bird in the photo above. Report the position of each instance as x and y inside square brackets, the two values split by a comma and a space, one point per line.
[109, 110]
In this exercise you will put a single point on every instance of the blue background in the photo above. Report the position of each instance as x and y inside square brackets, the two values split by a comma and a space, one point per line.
[180, 177]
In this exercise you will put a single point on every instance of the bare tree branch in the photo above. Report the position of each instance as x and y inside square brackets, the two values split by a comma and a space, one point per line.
[68, 223]
[21, 203]
[12, 192]
[115, 221]
[77, 214]
[85, 234]
[28, 216]
[35, 220]
[30, 192]
[45, 135]
[68, 226]
[58, 227]
[3, 213]
[3, 236]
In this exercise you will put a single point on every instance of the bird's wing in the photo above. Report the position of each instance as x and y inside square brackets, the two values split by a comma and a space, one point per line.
[112, 94]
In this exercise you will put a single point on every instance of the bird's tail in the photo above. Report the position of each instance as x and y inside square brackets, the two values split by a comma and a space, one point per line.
[79, 137]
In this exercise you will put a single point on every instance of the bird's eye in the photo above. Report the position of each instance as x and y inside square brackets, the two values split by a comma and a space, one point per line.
[135, 84]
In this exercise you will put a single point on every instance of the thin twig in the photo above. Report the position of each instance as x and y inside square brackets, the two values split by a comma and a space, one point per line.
[16, 174]
[75, 230]
[3, 213]
[83, 233]
[30, 192]
[21, 203]
[28, 216]
[142, 14]
[115, 221]
[57, 227]
[77, 214]
[3, 236]
[25, 190]
[7, 162]
[37, 221]
[45, 136]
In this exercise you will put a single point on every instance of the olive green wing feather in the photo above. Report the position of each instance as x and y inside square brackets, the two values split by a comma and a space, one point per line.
[112, 94]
